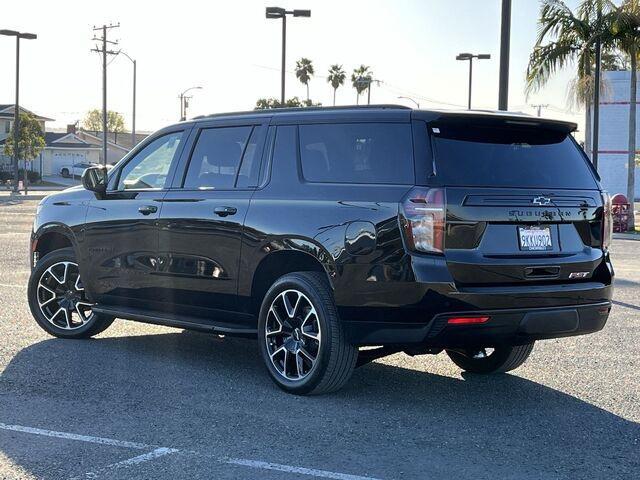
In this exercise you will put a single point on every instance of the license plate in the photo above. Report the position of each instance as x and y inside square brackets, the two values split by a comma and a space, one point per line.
[535, 238]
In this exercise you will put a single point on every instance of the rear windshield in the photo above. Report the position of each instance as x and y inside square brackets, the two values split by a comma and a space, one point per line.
[508, 156]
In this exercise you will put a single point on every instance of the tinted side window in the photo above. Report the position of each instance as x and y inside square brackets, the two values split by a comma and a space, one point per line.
[357, 153]
[150, 166]
[216, 157]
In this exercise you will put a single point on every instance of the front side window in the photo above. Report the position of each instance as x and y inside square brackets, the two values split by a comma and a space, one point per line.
[150, 166]
[357, 153]
[216, 158]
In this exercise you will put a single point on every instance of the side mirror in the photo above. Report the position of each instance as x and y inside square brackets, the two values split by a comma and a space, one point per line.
[94, 179]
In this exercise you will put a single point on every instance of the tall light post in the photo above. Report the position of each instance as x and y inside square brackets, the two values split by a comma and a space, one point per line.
[470, 57]
[505, 47]
[16, 113]
[133, 117]
[184, 104]
[411, 99]
[278, 12]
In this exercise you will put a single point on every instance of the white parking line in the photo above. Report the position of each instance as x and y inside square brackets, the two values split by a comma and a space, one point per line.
[299, 470]
[74, 436]
[157, 452]
[145, 457]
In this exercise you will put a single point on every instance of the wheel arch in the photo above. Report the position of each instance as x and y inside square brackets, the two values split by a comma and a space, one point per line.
[51, 237]
[281, 262]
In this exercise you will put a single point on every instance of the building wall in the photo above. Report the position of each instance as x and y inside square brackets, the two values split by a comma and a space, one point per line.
[614, 133]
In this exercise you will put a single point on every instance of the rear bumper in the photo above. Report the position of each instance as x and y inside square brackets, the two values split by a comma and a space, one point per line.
[414, 310]
[506, 326]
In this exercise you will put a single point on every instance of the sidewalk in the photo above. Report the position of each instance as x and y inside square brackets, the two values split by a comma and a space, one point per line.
[34, 194]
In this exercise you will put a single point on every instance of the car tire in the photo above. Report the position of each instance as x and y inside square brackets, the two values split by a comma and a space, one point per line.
[310, 353]
[64, 172]
[57, 301]
[501, 360]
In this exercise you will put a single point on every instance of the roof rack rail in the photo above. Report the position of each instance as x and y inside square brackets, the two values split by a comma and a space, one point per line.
[305, 109]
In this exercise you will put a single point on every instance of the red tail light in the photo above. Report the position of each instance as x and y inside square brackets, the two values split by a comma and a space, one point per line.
[607, 221]
[422, 217]
[467, 320]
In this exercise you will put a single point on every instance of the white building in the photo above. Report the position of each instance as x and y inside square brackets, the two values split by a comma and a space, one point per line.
[614, 133]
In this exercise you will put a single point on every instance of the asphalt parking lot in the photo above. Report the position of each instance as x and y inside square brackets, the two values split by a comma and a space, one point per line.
[142, 401]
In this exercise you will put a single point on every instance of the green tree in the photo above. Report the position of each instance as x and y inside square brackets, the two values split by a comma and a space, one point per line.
[266, 103]
[93, 121]
[361, 80]
[336, 78]
[625, 32]
[30, 138]
[304, 72]
[565, 38]
[614, 60]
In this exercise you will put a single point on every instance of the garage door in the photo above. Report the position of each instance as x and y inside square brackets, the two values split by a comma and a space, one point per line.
[66, 159]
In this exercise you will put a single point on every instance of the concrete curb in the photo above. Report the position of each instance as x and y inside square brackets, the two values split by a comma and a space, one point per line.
[626, 236]
[7, 198]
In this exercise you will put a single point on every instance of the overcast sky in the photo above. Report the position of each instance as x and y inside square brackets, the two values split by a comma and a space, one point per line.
[233, 52]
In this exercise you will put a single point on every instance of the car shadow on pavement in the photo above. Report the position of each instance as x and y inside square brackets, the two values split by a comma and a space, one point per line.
[196, 391]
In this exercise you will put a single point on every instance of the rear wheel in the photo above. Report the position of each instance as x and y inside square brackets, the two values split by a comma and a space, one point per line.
[491, 360]
[57, 298]
[301, 338]
[64, 172]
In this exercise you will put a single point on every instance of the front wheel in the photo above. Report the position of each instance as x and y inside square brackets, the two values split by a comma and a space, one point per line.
[491, 360]
[301, 338]
[57, 299]
[64, 172]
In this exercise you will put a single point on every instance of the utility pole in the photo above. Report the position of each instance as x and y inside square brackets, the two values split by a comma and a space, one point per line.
[596, 98]
[104, 53]
[369, 82]
[184, 102]
[540, 107]
[505, 42]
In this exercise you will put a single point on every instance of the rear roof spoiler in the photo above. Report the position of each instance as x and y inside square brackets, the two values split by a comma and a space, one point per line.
[491, 117]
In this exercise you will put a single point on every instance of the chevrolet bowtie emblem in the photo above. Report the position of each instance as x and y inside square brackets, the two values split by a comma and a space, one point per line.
[541, 201]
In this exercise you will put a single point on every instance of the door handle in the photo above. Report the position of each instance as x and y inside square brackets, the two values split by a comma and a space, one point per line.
[147, 209]
[225, 211]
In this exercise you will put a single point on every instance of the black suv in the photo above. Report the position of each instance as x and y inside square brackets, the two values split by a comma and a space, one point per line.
[324, 231]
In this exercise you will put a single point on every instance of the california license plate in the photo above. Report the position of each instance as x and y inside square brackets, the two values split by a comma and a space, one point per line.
[535, 238]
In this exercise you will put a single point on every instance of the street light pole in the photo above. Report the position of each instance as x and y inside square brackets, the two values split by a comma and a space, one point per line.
[284, 59]
[505, 44]
[411, 99]
[278, 12]
[470, 57]
[16, 113]
[133, 118]
[183, 104]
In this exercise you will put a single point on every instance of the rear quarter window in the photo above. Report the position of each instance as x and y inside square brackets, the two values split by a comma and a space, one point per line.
[508, 156]
[358, 153]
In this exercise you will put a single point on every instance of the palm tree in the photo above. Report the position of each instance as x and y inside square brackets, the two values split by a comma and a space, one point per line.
[336, 78]
[565, 37]
[304, 72]
[361, 80]
[625, 32]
